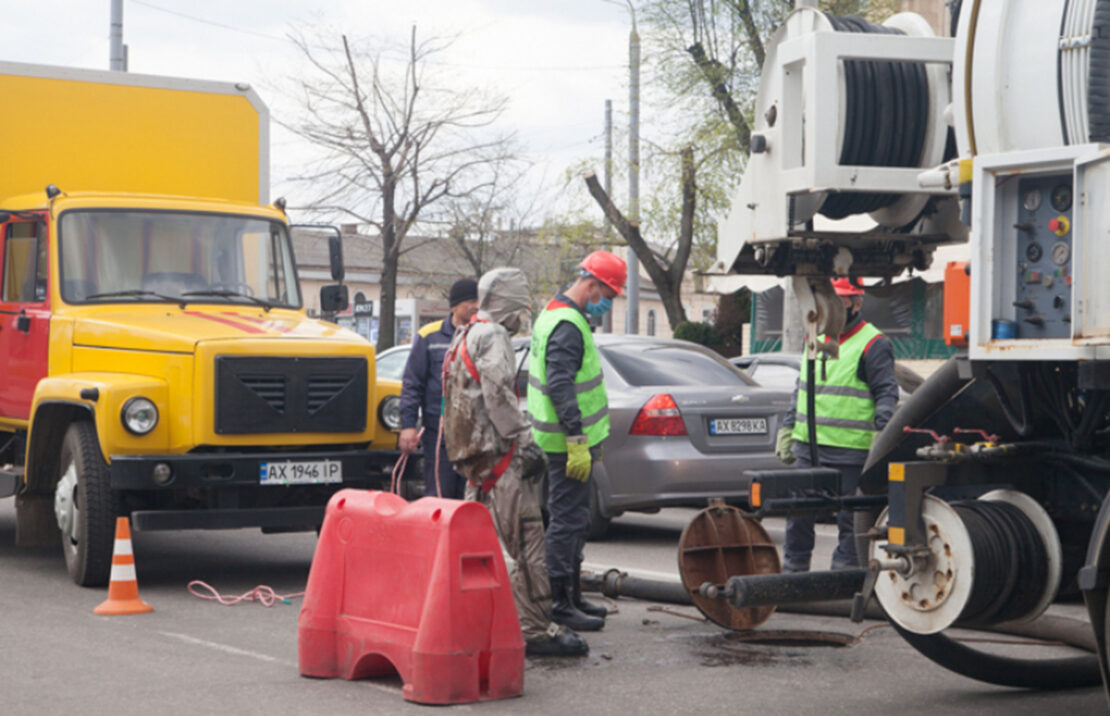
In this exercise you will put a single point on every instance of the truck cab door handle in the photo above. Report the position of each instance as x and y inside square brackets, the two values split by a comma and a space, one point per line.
[23, 322]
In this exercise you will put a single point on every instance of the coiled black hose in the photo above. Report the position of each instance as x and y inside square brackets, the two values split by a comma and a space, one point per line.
[1011, 562]
[886, 106]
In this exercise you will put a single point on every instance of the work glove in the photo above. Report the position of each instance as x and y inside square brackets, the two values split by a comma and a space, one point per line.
[784, 442]
[579, 461]
[533, 462]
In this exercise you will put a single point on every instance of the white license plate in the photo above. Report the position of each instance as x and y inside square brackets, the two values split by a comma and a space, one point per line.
[737, 426]
[311, 472]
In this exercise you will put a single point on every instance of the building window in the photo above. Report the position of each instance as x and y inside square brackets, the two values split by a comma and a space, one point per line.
[651, 322]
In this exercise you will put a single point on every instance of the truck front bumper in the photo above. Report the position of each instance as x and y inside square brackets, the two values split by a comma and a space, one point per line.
[361, 468]
[236, 495]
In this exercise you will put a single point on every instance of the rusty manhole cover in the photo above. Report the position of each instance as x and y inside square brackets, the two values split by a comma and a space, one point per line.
[720, 542]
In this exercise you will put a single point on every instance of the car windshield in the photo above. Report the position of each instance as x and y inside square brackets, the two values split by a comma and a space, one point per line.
[168, 256]
[392, 365]
[672, 364]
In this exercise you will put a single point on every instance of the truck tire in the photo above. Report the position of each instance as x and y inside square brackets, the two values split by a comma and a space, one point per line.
[84, 506]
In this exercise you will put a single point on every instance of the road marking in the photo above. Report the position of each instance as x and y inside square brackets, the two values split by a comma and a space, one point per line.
[263, 657]
[225, 648]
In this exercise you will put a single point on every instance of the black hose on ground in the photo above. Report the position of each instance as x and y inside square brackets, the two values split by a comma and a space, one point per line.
[1044, 674]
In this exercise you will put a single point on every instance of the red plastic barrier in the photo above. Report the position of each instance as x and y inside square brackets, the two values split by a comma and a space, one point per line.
[419, 589]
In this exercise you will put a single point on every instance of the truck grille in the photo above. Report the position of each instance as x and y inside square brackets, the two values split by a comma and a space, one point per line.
[290, 395]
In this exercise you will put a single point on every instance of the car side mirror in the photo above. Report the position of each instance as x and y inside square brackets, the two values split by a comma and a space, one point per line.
[333, 298]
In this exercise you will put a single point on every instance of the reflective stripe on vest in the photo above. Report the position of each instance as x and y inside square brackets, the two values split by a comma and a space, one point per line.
[589, 384]
[844, 404]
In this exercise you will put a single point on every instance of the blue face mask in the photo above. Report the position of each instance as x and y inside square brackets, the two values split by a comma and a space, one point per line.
[600, 308]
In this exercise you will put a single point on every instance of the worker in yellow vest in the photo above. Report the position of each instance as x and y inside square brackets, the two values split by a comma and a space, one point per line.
[855, 397]
[570, 421]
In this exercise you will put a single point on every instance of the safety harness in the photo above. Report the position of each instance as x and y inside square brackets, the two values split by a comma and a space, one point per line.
[459, 349]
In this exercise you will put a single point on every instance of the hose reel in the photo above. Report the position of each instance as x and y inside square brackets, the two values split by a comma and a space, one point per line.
[990, 560]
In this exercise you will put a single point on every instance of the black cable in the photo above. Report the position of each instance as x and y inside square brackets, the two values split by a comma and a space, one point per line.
[886, 104]
[1010, 558]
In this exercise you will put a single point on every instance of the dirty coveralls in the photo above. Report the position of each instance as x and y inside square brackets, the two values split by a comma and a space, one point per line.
[482, 422]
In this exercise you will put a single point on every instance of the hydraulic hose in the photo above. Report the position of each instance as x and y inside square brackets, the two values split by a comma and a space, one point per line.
[811, 411]
[1044, 674]
[886, 105]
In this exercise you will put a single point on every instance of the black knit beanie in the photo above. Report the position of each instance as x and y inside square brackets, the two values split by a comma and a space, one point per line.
[465, 289]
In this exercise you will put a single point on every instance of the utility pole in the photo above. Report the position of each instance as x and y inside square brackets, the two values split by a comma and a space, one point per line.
[117, 58]
[632, 317]
[607, 319]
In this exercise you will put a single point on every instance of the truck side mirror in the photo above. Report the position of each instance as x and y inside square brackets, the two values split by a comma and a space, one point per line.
[335, 245]
[333, 298]
[335, 256]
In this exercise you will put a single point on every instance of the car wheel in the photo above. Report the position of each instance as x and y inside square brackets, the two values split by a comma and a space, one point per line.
[599, 524]
[84, 507]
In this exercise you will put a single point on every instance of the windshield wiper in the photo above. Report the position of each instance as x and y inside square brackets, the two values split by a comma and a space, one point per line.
[138, 293]
[231, 294]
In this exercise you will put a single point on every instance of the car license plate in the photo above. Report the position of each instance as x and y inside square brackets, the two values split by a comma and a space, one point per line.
[737, 426]
[313, 472]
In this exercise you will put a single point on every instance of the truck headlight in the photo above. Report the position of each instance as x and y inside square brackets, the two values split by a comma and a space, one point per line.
[389, 411]
[140, 415]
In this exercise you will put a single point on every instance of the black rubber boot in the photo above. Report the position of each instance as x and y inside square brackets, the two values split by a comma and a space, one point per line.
[563, 610]
[563, 643]
[593, 610]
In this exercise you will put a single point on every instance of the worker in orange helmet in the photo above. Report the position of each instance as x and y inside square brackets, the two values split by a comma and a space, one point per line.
[855, 397]
[570, 420]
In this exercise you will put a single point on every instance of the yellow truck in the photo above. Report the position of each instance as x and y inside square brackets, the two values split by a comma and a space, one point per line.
[156, 357]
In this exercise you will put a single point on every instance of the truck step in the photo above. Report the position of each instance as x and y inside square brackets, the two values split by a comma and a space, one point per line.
[11, 477]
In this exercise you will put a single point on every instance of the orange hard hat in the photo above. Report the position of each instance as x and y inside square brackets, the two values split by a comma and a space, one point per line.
[845, 287]
[608, 268]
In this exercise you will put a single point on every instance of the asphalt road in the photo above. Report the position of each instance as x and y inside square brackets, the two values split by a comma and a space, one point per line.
[192, 656]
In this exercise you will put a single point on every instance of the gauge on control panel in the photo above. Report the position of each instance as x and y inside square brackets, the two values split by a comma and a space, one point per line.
[1061, 197]
[1034, 252]
[1032, 200]
[1061, 252]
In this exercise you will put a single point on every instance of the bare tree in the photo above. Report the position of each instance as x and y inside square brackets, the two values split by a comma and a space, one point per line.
[666, 272]
[393, 147]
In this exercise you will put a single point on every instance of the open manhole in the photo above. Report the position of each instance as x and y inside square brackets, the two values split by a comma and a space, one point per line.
[793, 637]
[786, 637]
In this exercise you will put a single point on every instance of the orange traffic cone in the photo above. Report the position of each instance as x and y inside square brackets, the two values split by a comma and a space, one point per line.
[123, 586]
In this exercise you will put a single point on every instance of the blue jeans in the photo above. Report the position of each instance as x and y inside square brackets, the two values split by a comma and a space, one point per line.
[453, 484]
[799, 529]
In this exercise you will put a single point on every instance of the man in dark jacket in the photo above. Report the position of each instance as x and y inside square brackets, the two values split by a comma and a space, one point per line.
[855, 397]
[422, 391]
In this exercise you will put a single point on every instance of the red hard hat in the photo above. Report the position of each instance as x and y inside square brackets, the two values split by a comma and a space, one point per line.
[608, 268]
[845, 287]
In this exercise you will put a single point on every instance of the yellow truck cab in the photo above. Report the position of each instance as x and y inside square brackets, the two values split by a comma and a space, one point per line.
[157, 359]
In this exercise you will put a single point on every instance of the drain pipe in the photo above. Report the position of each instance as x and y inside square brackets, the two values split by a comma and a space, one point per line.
[614, 583]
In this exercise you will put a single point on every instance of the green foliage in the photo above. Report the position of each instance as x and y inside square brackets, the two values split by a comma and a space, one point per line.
[703, 333]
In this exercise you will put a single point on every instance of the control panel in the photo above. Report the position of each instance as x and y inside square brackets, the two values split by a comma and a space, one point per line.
[1042, 300]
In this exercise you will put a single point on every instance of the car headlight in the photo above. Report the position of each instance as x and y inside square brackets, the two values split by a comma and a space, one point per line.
[389, 411]
[139, 415]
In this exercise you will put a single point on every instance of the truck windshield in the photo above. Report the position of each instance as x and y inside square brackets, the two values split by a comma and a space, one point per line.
[160, 256]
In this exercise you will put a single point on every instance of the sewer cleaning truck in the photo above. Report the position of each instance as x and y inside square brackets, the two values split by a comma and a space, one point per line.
[157, 359]
[988, 495]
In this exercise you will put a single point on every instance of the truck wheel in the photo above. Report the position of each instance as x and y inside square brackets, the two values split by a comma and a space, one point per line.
[84, 507]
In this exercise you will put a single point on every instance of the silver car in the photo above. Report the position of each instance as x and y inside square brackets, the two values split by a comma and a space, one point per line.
[684, 426]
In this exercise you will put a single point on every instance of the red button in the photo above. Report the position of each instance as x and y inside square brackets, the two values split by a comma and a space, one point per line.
[1054, 225]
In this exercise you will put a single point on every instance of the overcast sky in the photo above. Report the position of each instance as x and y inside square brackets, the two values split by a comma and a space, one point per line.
[556, 60]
